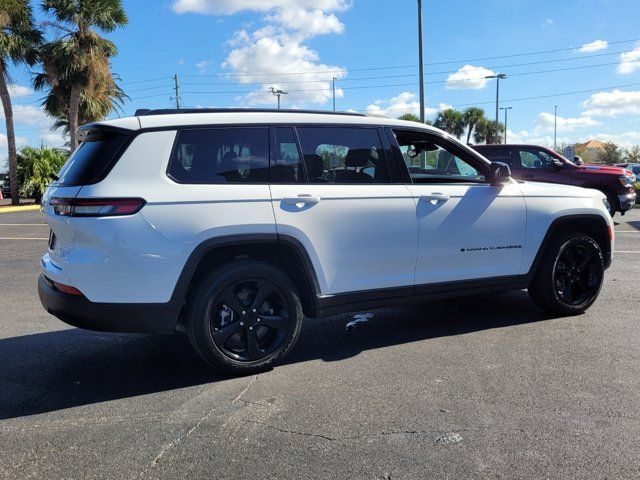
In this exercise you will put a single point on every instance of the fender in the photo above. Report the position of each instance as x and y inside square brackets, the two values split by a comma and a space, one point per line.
[559, 222]
[209, 245]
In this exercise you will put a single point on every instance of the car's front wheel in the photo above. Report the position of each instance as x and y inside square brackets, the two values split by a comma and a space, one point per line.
[244, 317]
[570, 274]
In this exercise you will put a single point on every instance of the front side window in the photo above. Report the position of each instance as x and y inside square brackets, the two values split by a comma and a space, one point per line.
[343, 155]
[431, 160]
[535, 159]
[221, 155]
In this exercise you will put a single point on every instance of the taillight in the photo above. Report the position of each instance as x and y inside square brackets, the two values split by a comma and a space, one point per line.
[96, 207]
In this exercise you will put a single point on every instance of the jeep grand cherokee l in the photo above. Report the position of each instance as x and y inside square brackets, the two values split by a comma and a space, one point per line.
[540, 164]
[235, 225]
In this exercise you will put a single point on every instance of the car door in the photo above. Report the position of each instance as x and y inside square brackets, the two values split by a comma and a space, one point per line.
[334, 193]
[468, 228]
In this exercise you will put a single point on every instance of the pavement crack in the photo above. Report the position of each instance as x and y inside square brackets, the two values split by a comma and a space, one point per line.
[186, 435]
[291, 432]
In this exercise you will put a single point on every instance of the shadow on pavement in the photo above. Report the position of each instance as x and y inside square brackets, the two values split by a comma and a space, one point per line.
[51, 371]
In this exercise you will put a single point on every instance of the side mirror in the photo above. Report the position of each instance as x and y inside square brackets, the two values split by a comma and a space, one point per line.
[500, 173]
[577, 160]
[557, 164]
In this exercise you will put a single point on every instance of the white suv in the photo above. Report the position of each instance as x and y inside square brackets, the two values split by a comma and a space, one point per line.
[234, 225]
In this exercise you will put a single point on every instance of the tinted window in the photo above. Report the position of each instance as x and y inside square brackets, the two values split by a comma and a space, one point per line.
[221, 155]
[497, 155]
[343, 155]
[287, 166]
[535, 159]
[432, 160]
[92, 160]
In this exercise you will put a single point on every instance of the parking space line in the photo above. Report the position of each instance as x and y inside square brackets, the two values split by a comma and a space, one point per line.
[24, 238]
[25, 224]
[626, 251]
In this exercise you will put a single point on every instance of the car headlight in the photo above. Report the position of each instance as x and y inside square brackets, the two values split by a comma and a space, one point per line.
[627, 180]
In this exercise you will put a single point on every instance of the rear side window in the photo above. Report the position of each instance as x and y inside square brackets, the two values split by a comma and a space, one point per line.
[343, 155]
[221, 155]
[497, 155]
[93, 159]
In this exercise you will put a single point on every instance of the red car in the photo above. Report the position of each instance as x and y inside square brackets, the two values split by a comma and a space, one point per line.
[540, 164]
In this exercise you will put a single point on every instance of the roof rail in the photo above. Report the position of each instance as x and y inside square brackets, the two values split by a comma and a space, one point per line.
[168, 111]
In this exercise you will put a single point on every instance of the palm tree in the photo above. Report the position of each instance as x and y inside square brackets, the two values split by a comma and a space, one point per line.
[411, 117]
[19, 40]
[35, 165]
[450, 121]
[472, 116]
[486, 132]
[76, 66]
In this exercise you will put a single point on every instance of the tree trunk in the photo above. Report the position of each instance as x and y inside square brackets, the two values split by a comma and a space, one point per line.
[74, 107]
[471, 125]
[11, 137]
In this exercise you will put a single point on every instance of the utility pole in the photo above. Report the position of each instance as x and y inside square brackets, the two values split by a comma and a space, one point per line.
[177, 91]
[555, 126]
[421, 62]
[277, 93]
[334, 93]
[498, 77]
[506, 110]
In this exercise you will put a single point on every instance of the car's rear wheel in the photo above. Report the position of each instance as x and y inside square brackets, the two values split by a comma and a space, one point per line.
[244, 317]
[570, 274]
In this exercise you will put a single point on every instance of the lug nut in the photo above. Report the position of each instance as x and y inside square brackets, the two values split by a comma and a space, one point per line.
[258, 320]
[254, 310]
[244, 312]
[242, 324]
[250, 328]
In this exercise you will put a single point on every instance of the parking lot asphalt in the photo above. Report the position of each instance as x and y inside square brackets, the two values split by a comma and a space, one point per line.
[481, 387]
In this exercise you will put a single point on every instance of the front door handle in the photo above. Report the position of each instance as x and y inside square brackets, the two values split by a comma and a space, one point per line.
[302, 198]
[435, 197]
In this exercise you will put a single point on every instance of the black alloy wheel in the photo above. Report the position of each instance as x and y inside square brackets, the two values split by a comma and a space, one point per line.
[578, 272]
[249, 320]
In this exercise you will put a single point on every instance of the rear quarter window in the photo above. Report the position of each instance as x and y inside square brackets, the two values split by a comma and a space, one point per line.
[93, 158]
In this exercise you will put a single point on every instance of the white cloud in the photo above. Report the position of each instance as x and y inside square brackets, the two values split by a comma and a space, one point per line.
[203, 65]
[29, 115]
[593, 46]
[405, 102]
[530, 138]
[612, 104]
[624, 139]
[547, 22]
[545, 122]
[20, 142]
[276, 51]
[469, 77]
[20, 91]
[629, 61]
[54, 139]
[229, 7]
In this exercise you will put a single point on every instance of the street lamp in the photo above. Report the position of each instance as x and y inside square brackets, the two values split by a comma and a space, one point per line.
[421, 62]
[277, 93]
[555, 125]
[498, 77]
[334, 93]
[506, 110]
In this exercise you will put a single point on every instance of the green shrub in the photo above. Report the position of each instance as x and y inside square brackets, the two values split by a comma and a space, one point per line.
[35, 166]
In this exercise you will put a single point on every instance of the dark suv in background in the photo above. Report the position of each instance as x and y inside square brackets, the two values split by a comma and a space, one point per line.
[540, 164]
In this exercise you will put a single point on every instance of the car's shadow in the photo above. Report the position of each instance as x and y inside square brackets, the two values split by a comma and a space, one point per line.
[634, 224]
[51, 371]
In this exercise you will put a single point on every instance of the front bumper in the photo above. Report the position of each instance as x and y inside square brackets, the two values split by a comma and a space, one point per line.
[627, 201]
[109, 317]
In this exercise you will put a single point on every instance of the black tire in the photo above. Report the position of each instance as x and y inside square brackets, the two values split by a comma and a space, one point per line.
[226, 331]
[570, 274]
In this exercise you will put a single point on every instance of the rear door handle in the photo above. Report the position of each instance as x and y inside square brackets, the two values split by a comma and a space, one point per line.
[302, 198]
[435, 197]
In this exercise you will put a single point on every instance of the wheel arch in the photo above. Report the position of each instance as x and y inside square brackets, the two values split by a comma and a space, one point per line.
[592, 224]
[282, 251]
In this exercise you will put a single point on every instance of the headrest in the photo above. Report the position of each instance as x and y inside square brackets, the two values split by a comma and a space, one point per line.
[315, 165]
[358, 157]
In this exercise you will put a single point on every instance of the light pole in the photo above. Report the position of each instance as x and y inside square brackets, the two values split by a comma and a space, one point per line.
[334, 93]
[421, 62]
[555, 125]
[498, 77]
[506, 110]
[277, 93]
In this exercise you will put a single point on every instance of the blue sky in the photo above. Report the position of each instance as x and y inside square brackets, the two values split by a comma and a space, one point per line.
[229, 52]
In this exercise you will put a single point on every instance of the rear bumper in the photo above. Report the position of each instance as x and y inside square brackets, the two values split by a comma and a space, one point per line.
[627, 201]
[109, 317]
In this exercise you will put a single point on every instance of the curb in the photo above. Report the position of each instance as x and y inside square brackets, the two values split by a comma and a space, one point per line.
[19, 208]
